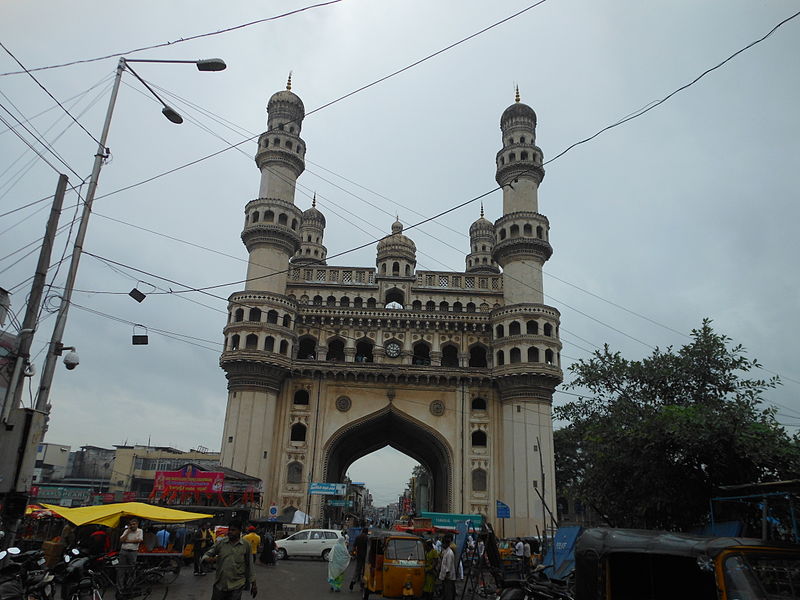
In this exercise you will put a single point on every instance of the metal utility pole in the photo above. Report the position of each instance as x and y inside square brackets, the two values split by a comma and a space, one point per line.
[17, 422]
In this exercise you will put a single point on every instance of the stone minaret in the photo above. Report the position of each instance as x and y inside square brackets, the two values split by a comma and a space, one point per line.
[525, 331]
[312, 232]
[272, 221]
[481, 244]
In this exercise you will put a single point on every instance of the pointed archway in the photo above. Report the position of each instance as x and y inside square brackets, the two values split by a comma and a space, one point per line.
[392, 427]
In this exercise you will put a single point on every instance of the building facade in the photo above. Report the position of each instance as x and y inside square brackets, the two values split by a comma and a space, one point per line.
[328, 363]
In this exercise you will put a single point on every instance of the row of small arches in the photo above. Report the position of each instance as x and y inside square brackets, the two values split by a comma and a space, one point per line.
[527, 231]
[429, 306]
[251, 343]
[276, 143]
[396, 269]
[512, 157]
[531, 328]
[534, 354]
[268, 216]
[255, 314]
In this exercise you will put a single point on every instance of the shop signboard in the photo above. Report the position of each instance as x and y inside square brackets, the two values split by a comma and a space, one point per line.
[189, 479]
[327, 489]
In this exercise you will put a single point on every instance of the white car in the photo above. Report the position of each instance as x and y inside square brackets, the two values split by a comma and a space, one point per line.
[309, 542]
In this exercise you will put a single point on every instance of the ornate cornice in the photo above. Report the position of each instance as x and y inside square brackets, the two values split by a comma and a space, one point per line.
[254, 370]
[529, 386]
[507, 173]
[271, 234]
[521, 248]
[288, 158]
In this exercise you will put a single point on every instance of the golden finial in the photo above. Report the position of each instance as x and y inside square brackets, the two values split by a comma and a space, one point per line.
[481, 210]
[289, 82]
[516, 97]
[314, 201]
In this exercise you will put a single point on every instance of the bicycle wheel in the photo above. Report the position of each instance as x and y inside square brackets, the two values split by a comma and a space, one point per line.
[171, 568]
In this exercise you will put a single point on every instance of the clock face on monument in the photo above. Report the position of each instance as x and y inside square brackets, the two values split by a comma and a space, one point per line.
[393, 349]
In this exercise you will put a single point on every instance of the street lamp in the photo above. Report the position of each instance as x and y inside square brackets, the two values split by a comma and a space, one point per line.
[35, 432]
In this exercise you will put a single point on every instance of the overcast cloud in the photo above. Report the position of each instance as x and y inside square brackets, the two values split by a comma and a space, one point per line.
[688, 212]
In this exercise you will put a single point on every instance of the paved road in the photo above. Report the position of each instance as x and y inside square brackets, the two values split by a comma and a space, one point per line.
[297, 579]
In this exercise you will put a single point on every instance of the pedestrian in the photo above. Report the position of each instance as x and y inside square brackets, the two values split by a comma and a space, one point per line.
[268, 553]
[234, 565]
[130, 539]
[201, 540]
[338, 559]
[431, 570]
[447, 571]
[180, 538]
[254, 540]
[360, 552]
[526, 555]
[162, 537]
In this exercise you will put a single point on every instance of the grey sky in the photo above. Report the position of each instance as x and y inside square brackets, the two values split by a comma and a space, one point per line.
[689, 211]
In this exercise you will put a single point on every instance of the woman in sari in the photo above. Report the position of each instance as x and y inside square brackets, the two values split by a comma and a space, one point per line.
[431, 570]
[338, 559]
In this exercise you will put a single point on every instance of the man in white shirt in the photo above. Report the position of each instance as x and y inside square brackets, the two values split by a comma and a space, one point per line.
[130, 539]
[447, 572]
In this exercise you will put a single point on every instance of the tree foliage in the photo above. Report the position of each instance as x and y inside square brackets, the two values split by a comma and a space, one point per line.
[653, 439]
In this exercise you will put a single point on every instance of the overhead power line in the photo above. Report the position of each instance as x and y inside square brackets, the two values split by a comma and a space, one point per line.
[174, 42]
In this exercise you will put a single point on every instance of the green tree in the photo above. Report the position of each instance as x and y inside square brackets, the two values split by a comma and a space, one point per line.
[653, 439]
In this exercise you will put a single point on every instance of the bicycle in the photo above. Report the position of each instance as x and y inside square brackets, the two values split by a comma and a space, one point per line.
[131, 583]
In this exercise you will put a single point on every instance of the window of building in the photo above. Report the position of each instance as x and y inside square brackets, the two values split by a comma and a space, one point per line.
[371, 303]
[301, 397]
[272, 316]
[515, 355]
[358, 302]
[548, 329]
[477, 357]
[479, 480]
[335, 351]
[269, 343]
[416, 305]
[294, 473]
[430, 306]
[533, 354]
[478, 439]
[255, 216]
[251, 342]
[449, 356]
[501, 359]
[444, 307]
[548, 356]
[331, 301]
[364, 351]
[238, 315]
[287, 320]
[282, 219]
[470, 306]
[284, 347]
[298, 433]
[499, 331]
[317, 301]
[458, 307]
[344, 301]
[308, 349]
[514, 328]
[532, 327]
[422, 354]
[478, 404]
[235, 342]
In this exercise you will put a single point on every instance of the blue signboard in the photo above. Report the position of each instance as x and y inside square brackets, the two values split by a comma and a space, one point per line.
[451, 520]
[327, 489]
[503, 510]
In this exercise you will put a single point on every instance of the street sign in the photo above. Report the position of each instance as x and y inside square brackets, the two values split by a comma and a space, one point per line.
[273, 510]
[503, 510]
[340, 502]
[327, 489]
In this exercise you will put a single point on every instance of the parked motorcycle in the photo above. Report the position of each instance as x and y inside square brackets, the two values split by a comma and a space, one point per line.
[24, 576]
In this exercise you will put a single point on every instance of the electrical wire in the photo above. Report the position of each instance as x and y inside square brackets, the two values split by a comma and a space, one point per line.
[657, 103]
[174, 42]
[27, 143]
[46, 91]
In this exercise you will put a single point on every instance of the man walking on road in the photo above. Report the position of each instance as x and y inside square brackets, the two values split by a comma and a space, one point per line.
[447, 574]
[360, 551]
[234, 565]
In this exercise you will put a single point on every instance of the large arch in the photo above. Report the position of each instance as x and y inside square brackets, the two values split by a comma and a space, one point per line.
[392, 427]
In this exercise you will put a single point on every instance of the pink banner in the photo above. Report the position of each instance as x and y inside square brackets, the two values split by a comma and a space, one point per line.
[188, 479]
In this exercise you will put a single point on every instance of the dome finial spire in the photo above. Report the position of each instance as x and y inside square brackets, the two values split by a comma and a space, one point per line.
[289, 82]
[314, 201]
[481, 209]
[516, 96]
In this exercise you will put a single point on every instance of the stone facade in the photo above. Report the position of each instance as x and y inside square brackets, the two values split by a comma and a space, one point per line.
[326, 363]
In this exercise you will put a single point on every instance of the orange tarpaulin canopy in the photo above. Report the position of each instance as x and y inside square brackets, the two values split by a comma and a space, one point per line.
[110, 514]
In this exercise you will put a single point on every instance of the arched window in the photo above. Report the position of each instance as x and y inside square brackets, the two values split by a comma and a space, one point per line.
[513, 231]
[479, 480]
[478, 439]
[251, 342]
[358, 302]
[500, 331]
[344, 301]
[502, 234]
[449, 356]
[371, 303]
[301, 397]
[364, 351]
[444, 307]
[308, 349]
[422, 354]
[269, 343]
[255, 216]
[335, 351]
[539, 232]
[238, 315]
[522, 140]
[477, 357]
[408, 270]
[512, 157]
[430, 305]
[533, 354]
[235, 342]
[383, 267]
[548, 329]
[272, 316]
[298, 433]
[532, 327]
[501, 359]
[515, 355]
[478, 404]
[284, 347]
[513, 328]
[331, 301]
[416, 305]
[317, 301]
[287, 320]
[548, 356]
[527, 229]
[395, 295]
[396, 268]
[294, 223]
[294, 473]
[524, 155]
[269, 216]
[282, 219]
[458, 307]
[470, 307]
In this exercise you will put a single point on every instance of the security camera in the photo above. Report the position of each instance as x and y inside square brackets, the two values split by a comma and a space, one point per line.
[71, 360]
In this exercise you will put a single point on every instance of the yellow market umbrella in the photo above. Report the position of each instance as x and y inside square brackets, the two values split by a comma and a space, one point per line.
[110, 514]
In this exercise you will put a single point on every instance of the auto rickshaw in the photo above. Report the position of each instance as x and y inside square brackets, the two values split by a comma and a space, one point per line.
[629, 564]
[395, 561]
